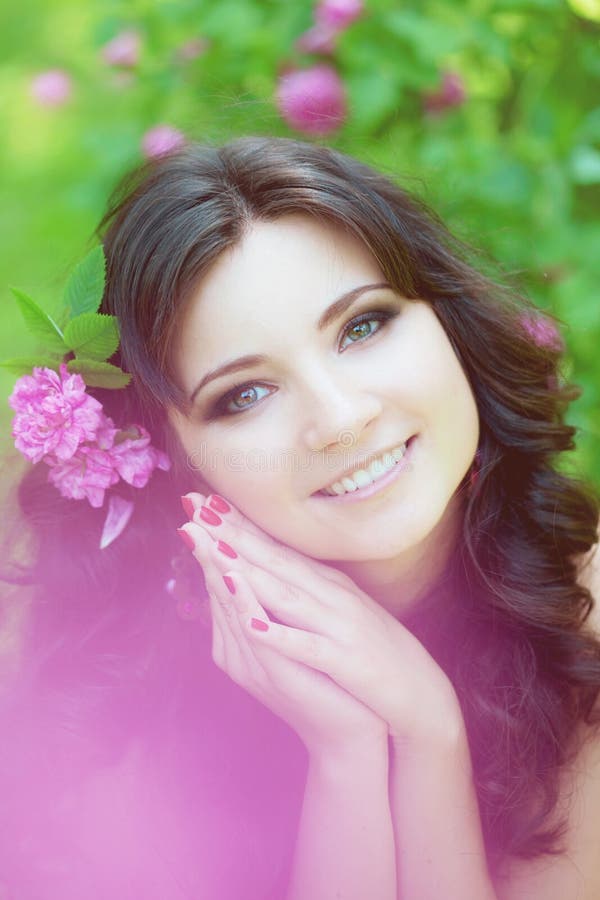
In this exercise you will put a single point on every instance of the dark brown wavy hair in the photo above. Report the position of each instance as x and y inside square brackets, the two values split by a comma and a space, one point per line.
[524, 668]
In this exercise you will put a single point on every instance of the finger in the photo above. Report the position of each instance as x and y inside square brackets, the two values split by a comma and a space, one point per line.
[219, 652]
[311, 649]
[282, 560]
[244, 598]
[216, 505]
[286, 601]
[317, 652]
[291, 605]
[221, 507]
[242, 661]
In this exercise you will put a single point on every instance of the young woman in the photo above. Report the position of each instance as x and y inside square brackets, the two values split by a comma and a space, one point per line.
[368, 664]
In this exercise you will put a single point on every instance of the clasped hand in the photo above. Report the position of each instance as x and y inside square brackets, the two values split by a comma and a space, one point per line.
[336, 665]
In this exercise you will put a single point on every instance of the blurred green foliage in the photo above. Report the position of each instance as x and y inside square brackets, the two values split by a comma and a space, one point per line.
[514, 169]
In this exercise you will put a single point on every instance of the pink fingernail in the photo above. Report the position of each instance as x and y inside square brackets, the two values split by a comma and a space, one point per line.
[209, 516]
[229, 582]
[226, 549]
[188, 506]
[259, 625]
[219, 504]
[187, 539]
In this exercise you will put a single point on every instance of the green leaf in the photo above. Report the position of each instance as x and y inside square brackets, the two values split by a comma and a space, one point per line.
[99, 374]
[85, 287]
[92, 335]
[23, 365]
[39, 323]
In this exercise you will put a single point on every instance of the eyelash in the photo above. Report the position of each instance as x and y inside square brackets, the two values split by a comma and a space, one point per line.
[218, 410]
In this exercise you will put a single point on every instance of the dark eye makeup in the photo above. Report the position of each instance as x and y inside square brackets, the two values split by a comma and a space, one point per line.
[218, 409]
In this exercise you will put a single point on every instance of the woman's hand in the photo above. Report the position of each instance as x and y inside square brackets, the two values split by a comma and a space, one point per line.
[325, 716]
[335, 665]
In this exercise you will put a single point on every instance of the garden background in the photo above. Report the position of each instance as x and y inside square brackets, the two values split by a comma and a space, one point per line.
[489, 109]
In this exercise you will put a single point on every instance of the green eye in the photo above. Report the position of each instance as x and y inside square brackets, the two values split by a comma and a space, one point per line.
[375, 316]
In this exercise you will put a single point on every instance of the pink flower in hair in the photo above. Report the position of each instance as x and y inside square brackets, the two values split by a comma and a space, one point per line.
[54, 414]
[543, 332]
[312, 100]
[134, 458]
[86, 475]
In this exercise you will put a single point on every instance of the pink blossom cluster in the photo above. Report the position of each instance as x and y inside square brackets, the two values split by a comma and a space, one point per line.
[313, 100]
[56, 421]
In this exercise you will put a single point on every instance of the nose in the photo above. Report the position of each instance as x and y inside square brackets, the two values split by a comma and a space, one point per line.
[335, 415]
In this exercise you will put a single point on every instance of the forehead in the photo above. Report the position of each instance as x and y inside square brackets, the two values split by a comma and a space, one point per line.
[265, 294]
[296, 260]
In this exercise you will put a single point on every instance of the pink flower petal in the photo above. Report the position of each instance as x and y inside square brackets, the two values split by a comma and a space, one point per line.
[117, 516]
[86, 475]
[134, 459]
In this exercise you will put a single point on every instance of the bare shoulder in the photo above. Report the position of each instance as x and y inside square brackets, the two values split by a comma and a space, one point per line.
[575, 875]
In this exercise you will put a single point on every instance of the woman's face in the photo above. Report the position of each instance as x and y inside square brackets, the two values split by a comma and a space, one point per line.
[324, 400]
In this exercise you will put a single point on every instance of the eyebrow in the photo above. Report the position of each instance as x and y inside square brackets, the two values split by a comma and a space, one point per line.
[328, 316]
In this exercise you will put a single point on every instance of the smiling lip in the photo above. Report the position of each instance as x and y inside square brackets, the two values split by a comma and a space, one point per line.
[375, 486]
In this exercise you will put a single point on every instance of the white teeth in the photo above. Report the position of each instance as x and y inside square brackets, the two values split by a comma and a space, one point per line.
[362, 477]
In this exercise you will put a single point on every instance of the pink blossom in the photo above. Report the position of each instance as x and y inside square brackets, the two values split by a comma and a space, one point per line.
[312, 100]
[54, 414]
[318, 39]
[51, 88]
[134, 458]
[160, 140]
[543, 332]
[123, 50]
[338, 14]
[452, 92]
[106, 433]
[86, 475]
